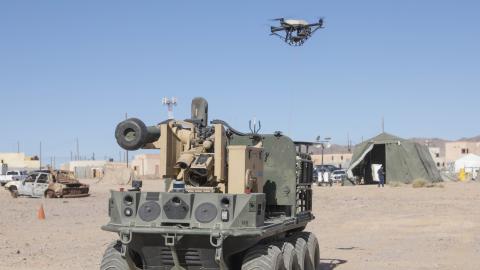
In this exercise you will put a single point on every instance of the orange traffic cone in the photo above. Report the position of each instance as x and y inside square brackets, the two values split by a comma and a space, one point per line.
[41, 213]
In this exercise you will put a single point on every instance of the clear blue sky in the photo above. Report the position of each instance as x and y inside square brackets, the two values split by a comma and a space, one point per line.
[73, 68]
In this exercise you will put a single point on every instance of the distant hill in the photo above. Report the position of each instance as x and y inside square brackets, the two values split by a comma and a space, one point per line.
[432, 142]
[472, 139]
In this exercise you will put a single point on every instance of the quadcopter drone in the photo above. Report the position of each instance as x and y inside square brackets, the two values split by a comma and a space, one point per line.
[296, 31]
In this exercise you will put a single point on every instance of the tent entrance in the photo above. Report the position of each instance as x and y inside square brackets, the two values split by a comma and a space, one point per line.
[375, 156]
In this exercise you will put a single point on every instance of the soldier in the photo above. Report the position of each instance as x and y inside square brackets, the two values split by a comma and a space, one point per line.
[381, 176]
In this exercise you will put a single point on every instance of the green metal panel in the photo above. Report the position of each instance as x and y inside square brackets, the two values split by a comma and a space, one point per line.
[279, 168]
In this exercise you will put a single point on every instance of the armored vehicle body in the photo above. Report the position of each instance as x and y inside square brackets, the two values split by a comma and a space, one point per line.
[233, 200]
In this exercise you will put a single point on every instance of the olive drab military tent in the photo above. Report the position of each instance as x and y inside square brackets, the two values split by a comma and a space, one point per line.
[403, 160]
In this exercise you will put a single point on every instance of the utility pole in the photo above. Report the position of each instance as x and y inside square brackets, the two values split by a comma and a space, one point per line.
[18, 146]
[383, 124]
[323, 143]
[78, 149]
[40, 154]
[126, 151]
[349, 143]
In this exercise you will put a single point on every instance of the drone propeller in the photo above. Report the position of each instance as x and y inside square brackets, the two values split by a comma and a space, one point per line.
[278, 19]
[320, 21]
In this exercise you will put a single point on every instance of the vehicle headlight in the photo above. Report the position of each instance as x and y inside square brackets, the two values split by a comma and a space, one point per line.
[128, 211]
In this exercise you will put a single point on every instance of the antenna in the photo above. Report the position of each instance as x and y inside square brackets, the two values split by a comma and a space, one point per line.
[170, 103]
[255, 128]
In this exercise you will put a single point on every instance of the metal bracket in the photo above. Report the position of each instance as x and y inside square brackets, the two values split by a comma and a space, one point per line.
[126, 237]
[123, 250]
[216, 240]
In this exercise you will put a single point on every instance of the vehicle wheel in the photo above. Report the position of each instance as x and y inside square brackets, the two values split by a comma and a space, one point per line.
[113, 260]
[50, 194]
[14, 192]
[290, 259]
[263, 257]
[303, 255]
[313, 248]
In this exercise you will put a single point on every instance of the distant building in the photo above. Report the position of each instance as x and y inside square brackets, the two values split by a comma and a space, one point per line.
[459, 149]
[146, 165]
[341, 160]
[19, 161]
[437, 156]
[85, 169]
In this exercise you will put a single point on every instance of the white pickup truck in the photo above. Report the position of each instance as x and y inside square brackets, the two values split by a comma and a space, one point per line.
[12, 176]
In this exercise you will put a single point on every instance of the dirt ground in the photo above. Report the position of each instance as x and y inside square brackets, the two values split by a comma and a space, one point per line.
[358, 228]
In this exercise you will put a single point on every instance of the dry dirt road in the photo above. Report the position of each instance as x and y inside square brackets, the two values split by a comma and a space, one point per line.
[358, 228]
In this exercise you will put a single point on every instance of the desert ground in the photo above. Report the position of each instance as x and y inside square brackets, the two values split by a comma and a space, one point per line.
[361, 227]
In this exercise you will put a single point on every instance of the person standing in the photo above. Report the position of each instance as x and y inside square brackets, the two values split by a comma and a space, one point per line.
[381, 176]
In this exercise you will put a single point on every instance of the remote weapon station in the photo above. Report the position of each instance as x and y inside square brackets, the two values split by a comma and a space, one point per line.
[233, 200]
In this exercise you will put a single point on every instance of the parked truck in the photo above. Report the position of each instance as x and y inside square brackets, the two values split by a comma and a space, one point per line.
[12, 176]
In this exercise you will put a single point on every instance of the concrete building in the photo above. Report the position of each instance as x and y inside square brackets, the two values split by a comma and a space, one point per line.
[341, 160]
[19, 161]
[459, 149]
[85, 169]
[437, 156]
[146, 165]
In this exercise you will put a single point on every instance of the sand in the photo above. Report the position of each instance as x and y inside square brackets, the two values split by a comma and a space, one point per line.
[358, 228]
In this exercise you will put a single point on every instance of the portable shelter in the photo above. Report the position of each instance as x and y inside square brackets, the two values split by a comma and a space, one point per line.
[469, 163]
[403, 160]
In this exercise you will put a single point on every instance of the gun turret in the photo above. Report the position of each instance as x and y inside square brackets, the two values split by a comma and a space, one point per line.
[197, 153]
[133, 134]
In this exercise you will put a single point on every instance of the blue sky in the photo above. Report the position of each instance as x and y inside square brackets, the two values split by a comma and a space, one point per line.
[73, 69]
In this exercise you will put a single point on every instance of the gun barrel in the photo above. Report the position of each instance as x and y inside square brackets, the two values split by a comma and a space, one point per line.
[133, 134]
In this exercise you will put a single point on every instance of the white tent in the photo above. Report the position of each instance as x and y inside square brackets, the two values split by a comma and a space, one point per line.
[470, 162]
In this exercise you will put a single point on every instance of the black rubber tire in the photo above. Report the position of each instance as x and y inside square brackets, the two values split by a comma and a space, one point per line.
[313, 248]
[303, 255]
[112, 259]
[290, 259]
[13, 192]
[263, 257]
